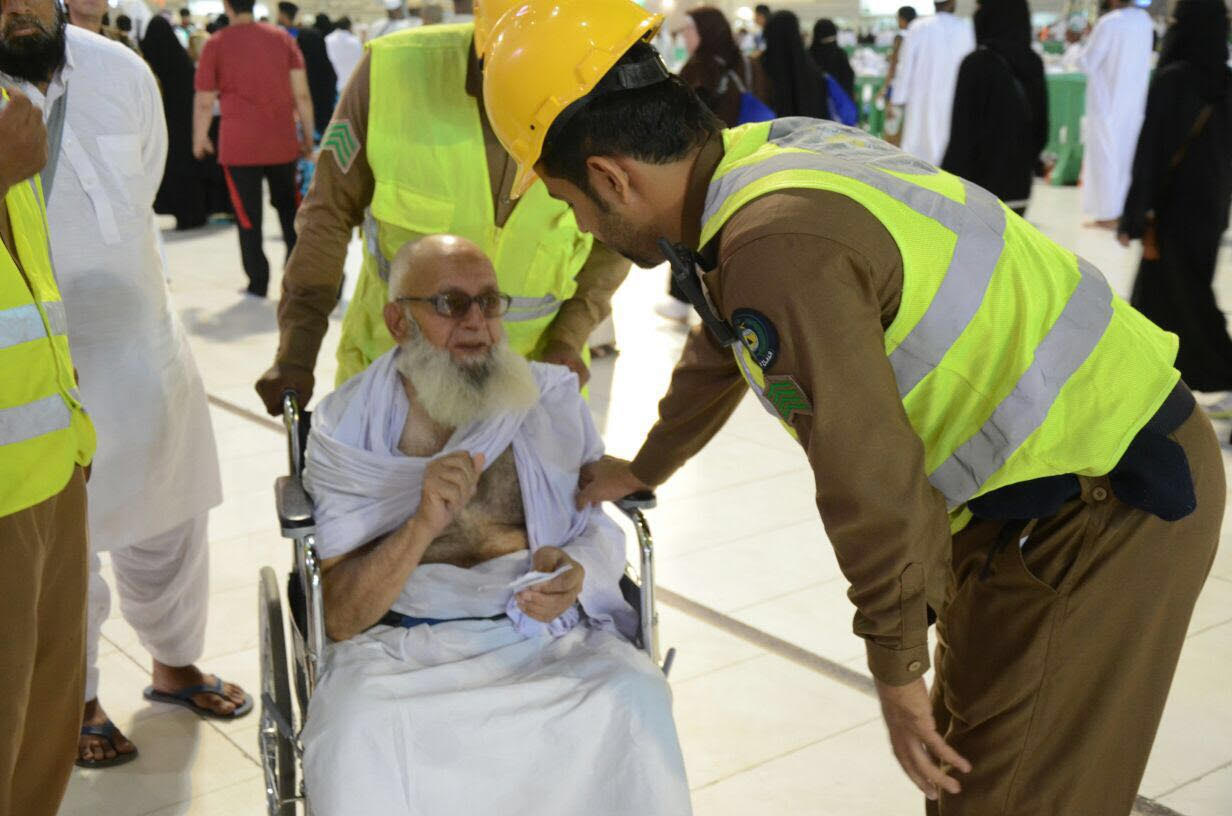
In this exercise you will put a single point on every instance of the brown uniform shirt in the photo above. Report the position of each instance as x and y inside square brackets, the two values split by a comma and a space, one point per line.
[828, 277]
[335, 206]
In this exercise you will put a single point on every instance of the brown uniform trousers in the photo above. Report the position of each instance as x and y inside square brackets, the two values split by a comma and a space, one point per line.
[1053, 670]
[42, 649]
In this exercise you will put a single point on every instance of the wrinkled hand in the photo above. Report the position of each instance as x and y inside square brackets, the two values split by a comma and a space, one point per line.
[608, 479]
[24, 138]
[1123, 238]
[560, 354]
[280, 379]
[913, 734]
[202, 147]
[548, 601]
[449, 484]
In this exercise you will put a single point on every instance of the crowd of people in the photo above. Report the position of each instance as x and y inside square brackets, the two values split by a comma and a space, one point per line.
[496, 225]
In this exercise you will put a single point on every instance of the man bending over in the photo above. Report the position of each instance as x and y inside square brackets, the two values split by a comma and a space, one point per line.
[441, 476]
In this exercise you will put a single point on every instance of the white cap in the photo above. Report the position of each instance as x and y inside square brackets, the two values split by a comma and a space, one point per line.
[393, 5]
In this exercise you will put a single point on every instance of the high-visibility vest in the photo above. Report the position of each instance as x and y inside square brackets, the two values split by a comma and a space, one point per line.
[1013, 357]
[44, 431]
[426, 149]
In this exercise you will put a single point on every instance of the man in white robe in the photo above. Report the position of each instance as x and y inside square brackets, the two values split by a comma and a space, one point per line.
[926, 77]
[155, 475]
[1117, 62]
[441, 477]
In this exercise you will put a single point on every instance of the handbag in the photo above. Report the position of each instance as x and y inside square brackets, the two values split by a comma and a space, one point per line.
[752, 109]
[1150, 234]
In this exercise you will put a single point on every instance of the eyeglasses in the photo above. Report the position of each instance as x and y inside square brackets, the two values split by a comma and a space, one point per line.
[457, 304]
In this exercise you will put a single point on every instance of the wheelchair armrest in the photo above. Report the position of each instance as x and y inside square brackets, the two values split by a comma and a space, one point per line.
[294, 507]
[641, 500]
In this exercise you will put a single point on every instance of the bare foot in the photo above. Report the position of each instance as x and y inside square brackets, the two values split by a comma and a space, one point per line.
[96, 749]
[170, 679]
[1107, 224]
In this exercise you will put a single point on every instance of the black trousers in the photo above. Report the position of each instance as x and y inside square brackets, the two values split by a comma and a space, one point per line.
[244, 184]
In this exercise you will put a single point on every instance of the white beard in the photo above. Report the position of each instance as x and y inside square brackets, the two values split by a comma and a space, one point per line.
[456, 395]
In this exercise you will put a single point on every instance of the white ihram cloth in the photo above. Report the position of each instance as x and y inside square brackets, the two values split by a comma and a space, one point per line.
[1117, 61]
[482, 717]
[933, 49]
[155, 474]
[345, 51]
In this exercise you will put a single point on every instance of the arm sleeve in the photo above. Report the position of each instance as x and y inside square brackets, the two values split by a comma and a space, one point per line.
[962, 153]
[888, 526]
[206, 76]
[333, 208]
[705, 389]
[902, 71]
[1096, 48]
[153, 135]
[1153, 154]
[597, 280]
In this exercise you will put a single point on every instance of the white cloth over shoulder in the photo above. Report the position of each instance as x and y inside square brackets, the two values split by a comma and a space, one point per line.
[345, 51]
[363, 487]
[1117, 61]
[156, 466]
[933, 49]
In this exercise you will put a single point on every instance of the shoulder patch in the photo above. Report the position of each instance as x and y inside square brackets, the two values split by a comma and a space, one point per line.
[758, 335]
[340, 139]
[787, 397]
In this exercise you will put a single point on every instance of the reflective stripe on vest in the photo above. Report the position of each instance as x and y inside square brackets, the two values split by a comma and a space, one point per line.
[44, 416]
[24, 324]
[979, 225]
[520, 308]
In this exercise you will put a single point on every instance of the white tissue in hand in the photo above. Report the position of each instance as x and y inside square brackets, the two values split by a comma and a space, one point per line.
[533, 578]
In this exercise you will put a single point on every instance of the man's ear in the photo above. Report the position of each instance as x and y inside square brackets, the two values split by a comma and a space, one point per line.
[395, 321]
[610, 179]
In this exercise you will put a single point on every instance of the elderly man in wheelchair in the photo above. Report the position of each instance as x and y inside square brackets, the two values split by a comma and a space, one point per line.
[480, 657]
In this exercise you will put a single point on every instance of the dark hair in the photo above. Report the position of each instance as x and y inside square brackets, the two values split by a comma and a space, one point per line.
[658, 124]
[907, 13]
[762, 9]
[242, 6]
[321, 23]
[185, 12]
[343, 22]
[124, 23]
[289, 9]
[715, 38]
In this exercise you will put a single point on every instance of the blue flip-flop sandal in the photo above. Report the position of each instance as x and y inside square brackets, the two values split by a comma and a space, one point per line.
[107, 731]
[184, 696]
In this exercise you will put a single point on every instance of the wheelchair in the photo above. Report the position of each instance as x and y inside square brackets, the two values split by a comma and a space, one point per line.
[278, 739]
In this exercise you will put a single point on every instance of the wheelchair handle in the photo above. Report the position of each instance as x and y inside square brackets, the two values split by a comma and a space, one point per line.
[290, 419]
[641, 500]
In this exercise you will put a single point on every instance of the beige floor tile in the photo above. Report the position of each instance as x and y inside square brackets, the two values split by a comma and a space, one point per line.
[700, 648]
[181, 758]
[852, 773]
[247, 797]
[751, 712]
[751, 571]
[817, 618]
[1214, 605]
[1209, 796]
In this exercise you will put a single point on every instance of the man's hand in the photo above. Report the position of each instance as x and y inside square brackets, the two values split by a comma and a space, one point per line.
[1123, 238]
[449, 483]
[913, 734]
[560, 354]
[548, 601]
[24, 140]
[307, 146]
[608, 479]
[279, 379]
[202, 146]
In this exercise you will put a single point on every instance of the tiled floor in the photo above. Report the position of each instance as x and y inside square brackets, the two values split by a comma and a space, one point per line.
[737, 533]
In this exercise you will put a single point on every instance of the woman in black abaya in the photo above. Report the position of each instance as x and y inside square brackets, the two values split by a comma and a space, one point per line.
[184, 185]
[797, 85]
[1178, 202]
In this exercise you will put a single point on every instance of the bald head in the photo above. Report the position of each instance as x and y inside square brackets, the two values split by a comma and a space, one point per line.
[428, 265]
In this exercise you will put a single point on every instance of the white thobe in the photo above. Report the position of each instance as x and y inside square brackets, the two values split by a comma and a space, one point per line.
[155, 473]
[933, 49]
[389, 26]
[1117, 61]
[345, 51]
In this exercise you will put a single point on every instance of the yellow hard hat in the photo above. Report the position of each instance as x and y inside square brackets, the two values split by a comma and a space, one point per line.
[487, 12]
[545, 55]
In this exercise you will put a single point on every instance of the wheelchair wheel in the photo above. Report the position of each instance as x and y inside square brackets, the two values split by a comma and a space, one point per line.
[275, 736]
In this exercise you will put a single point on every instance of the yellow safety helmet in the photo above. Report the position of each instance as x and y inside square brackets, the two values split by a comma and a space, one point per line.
[487, 12]
[545, 55]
